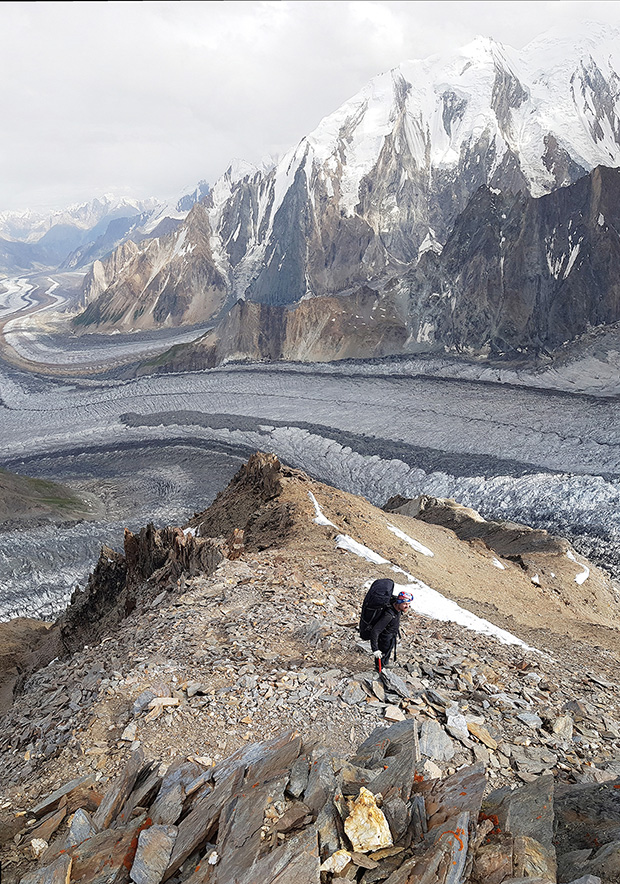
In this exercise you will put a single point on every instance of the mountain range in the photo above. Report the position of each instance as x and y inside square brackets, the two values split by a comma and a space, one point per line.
[443, 207]
[73, 237]
[460, 203]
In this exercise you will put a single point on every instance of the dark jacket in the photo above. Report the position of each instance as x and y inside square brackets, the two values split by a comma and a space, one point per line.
[385, 631]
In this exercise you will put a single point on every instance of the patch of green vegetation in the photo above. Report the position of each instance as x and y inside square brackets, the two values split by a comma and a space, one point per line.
[96, 314]
[24, 497]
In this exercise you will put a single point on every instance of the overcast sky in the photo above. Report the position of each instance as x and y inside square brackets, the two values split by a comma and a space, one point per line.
[145, 99]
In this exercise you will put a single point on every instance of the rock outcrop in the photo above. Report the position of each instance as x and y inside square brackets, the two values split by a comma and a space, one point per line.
[508, 539]
[153, 561]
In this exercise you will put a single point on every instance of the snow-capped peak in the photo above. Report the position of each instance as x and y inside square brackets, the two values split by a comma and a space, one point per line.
[30, 226]
[382, 179]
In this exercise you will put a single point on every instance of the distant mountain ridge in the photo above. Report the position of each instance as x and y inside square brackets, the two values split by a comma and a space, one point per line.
[72, 238]
[381, 183]
[30, 226]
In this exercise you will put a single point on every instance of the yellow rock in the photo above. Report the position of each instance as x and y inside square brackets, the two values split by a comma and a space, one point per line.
[337, 862]
[482, 734]
[38, 846]
[366, 826]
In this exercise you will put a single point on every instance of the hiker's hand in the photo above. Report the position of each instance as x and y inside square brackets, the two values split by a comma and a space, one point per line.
[378, 655]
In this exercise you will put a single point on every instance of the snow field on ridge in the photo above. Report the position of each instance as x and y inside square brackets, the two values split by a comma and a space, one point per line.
[426, 601]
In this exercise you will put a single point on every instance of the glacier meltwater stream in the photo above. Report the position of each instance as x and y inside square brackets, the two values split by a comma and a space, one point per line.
[159, 448]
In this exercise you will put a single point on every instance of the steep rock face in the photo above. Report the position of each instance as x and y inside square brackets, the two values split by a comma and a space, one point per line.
[25, 645]
[517, 274]
[103, 273]
[323, 329]
[384, 177]
[522, 273]
[173, 280]
[400, 161]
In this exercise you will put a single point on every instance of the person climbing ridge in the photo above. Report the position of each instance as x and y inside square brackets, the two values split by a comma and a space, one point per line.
[380, 618]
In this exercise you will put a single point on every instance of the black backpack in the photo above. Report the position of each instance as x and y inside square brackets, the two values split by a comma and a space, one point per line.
[376, 600]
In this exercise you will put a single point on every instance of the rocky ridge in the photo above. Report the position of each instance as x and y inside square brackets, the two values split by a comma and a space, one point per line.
[173, 280]
[211, 652]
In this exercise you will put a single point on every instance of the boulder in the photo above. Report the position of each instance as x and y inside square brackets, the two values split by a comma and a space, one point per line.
[395, 684]
[59, 872]
[118, 792]
[321, 784]
[587, 816]
[366, 826]
[153, 854]
[527, 811]
[435, 742]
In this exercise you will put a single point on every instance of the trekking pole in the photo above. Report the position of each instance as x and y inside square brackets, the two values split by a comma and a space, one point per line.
[379, 665]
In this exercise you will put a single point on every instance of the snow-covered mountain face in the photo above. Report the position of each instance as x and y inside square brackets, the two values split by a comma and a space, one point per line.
[383, 179]
[388, 173]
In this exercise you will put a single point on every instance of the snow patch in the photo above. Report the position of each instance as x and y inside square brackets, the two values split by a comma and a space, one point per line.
[430, 244]
[426, 601]
[430, 603]
[580, 578]
[320, 518]
[414, 543]
[343, 541]
[572, 258]
[426, 333]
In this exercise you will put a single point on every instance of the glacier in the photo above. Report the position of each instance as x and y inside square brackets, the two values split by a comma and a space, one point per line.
[544, 457]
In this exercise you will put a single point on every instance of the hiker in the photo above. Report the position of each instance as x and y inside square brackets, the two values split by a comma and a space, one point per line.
[380, 618]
